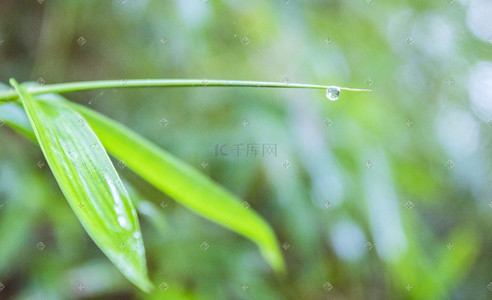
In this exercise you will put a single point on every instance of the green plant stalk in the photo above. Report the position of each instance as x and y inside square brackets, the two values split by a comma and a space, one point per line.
[11, 95]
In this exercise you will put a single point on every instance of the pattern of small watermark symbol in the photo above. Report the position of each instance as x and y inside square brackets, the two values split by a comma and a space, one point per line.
[450, 164]
[164, 40]
[285, 246]
[409, 205]
[163, 286]
[327, 40]
[40, 246]
[245, 40]
[204, 246]
[246, 150]
[163, 122]
[327, 122]
[81, 41]
[327, 286]
[80, 286]
[450, 81]
[40, 164]
[286, 164]
[122, 164]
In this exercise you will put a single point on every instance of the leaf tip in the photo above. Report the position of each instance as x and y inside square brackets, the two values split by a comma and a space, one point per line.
[13, 82]
[274, 257]
[145, 285]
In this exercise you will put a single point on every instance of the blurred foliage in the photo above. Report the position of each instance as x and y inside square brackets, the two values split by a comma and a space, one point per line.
[381, 195]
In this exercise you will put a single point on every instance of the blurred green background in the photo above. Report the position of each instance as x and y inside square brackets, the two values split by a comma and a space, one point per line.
[382, 195]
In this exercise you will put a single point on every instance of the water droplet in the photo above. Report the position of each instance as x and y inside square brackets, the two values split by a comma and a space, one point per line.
[332, 93]
[123, 222]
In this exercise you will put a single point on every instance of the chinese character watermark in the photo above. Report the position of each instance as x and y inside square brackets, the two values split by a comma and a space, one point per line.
[246, 150]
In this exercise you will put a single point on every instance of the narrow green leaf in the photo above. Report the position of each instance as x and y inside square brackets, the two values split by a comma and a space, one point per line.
[259, 231]
[182, 182]
[90, 183]
[13, 114]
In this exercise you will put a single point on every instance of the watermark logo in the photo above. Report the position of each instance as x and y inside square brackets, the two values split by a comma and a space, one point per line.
[409, 205]
[286, 246]
[163, 286]
[327, 286]
[204, 246]
[246, 150]
[40, 246]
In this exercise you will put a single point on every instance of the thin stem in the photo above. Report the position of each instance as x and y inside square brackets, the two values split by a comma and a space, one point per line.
[11, 95]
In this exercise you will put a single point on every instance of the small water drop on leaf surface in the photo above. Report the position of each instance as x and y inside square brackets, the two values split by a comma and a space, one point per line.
[332, 93]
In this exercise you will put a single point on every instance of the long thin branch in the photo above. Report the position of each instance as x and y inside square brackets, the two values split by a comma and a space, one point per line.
[11, 95]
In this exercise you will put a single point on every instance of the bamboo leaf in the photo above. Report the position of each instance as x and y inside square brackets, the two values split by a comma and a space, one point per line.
[170, 170]
[179, 180]
[90, 183]
[13, 114]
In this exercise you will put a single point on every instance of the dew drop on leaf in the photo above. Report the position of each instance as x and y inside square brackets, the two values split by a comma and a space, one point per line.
[332, 93]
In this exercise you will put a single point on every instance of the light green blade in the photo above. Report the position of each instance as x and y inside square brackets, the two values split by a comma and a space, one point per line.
[180, 181]
[90, 183]
[163, 170]
[185, 184]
